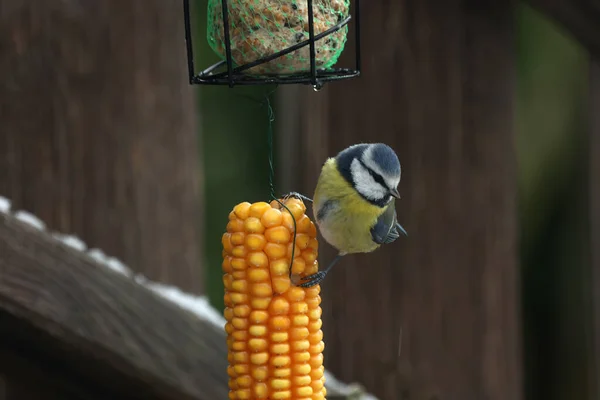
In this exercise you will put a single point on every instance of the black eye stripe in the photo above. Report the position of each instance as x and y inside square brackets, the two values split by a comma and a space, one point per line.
[378, 178]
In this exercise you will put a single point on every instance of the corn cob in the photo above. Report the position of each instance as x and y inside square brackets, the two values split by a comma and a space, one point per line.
[274, 338]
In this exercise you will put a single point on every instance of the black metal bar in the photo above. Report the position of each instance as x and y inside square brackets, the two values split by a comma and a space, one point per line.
[227, 41]
[305, 79]
[311, 38]
[357, 34]
[212, 68]
[298, 75]
[188, 40]
[282, 52]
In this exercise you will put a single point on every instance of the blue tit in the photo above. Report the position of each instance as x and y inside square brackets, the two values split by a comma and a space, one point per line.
[354, 202]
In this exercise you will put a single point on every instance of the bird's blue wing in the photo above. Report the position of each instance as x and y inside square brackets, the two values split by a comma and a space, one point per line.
[386, 228]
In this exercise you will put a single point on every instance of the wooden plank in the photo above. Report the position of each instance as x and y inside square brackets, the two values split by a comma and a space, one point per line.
[98, 133]
[580, 17]
[100, 325]
[49, 382]
[435, 315]
[3, 387]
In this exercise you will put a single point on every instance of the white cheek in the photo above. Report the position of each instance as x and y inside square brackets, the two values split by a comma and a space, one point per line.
[368, 160]
[365, 184]
[393, 183]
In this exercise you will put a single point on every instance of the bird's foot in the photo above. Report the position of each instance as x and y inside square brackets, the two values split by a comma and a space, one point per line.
[312, 280]
[298, 196]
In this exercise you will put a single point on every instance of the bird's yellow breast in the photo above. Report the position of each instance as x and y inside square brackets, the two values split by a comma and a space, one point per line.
[347, 217]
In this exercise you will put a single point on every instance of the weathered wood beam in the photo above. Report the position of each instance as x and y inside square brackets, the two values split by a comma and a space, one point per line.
[64, 315]
[580, 17]
[100, 325]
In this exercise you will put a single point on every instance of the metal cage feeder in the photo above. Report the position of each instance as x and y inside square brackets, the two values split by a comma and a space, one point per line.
[225, 73]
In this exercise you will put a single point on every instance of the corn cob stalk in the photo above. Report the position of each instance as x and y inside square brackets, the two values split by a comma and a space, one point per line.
[274, 338]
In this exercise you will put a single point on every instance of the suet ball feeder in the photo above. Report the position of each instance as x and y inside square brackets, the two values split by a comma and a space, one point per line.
[263, 42]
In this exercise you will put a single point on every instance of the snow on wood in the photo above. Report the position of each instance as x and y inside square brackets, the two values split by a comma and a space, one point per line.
[30, 220]
[4, 205]
[71, 241]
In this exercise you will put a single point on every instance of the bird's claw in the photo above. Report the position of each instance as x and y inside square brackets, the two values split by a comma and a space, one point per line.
[312, 280]
[298, 196]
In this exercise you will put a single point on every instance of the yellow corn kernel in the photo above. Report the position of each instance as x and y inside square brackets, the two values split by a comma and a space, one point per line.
[280, 348]
[309, 256]
[280, 268]
[280, 361]
[242, 210]
[275, 251]
[257, 275]
[253, 225]
[299, 266]
[258, 330]
[316, 337]
[302, 381]
[304, 391]
[258, 344]
[258, 259]
[302, 240]
[281, 284]
[271, 217]
[299, 308]
[300, 320]
[274, 337]
[258, 209]
[261, 391]
[260, 373]
[235, 226]
[279, 306]
[287, 221]
[260, 304]
[262, 289]
[239, 251]
[303, 224]
[240, 286]
[259, 317]
[295, 249]
[279, 337]
[301, 356]
[281, 395]
[237, 238]
[239, 274]
[254, 241]
[279, 323]
[238, 264]
[278, 234]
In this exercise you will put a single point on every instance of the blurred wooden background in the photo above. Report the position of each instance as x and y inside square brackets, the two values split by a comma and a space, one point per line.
[491, 106]
[436, 315]
[95, 123]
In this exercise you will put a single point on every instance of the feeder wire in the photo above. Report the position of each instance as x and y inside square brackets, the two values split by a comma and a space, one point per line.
[271, 117]
[272, 192]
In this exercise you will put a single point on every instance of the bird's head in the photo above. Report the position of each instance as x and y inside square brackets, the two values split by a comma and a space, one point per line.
[373, 170]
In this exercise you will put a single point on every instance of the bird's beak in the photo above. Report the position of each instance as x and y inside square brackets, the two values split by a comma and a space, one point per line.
[394, 192]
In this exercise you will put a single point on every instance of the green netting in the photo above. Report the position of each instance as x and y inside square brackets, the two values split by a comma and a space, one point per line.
[259, 28]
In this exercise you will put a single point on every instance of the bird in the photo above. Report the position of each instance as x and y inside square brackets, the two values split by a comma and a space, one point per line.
[354, 202]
